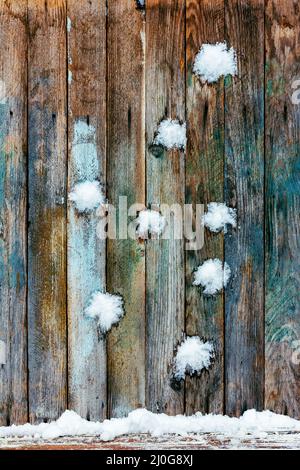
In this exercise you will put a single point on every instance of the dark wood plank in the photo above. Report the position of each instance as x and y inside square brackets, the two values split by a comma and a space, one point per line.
[126, 177]
[165, 97]
[204, 184]
[47, 209]
[244, 189]
[86, 25]
[282, 335]
[13, 208]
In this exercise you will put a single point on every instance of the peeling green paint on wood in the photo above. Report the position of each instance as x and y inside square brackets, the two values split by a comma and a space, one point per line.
[244, 190]
[86, 28]
[282, 212]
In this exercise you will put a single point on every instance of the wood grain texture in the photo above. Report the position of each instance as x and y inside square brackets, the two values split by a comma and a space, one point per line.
[47, 209]
[282, 336]
[86, 25]
[165, 97]
[126, 177]
[244, 189]
[13, 201]
[204, 184]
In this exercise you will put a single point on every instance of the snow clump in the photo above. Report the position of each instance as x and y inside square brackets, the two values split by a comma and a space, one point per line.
[218, 216]
[192, 356]
[212, 276]
[214, 61]
[87, 196]
[106, 308]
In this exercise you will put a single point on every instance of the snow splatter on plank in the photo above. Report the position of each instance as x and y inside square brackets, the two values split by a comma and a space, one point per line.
[282, 385]
[47, 170]
[13, 240]
[244, 190]
[204, 183]
[86, 161]
[126, 177]
[165, 97]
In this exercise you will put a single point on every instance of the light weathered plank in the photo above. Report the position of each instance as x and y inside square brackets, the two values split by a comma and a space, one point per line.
[47, 209]
[86, 26]
[165, 97]
[126, 177]
[204, 184]
[282, 336]
[13, 239]
[244, 189]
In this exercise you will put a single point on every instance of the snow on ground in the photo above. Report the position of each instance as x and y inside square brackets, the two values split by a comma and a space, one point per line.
[218, 216]
[251, 424]
[171, 134]
[106, 308]
[214, 61]
[212, 276]
[87, 196]
[192, 356]
[149, 222]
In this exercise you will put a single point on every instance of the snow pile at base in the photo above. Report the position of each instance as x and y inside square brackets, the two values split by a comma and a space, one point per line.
[150, 222]
[142, 421]
[171, 134]
[218, 216]
[192, 356]
[106, 308]
[87, 196]
[212, 276]
[214, 61]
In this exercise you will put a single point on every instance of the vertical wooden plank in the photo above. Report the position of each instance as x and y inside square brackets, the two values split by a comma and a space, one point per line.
[13, 202]
[47, 209]
[126, 177]
[282, 336]
[244, 189]
[86, 24]
[204, 184]
[165, 97]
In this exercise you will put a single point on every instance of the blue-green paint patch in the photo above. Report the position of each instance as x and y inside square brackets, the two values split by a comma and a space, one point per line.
[85, 164]
[85, 266]
[228, 81]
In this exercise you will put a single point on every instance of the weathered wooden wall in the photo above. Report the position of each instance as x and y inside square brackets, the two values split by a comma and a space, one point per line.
[83, 85]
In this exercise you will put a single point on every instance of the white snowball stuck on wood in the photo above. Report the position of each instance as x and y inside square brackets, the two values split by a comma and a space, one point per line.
[171, 134]
[193, 355]
[212, 276]
[87, 196]
[150, 222]
[218, 216]
[214, 61]
[106, 308]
